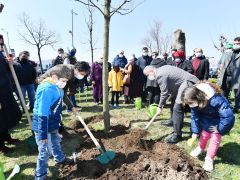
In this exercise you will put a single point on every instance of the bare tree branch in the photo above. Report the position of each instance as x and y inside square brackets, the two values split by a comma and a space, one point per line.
[120, 9]
[90, 3]
[37, 36]
[155, 40]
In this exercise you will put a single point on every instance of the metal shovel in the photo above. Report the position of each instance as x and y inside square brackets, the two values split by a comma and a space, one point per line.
[106, 156]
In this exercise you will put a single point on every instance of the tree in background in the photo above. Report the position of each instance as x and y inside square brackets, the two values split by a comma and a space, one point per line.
[108, 9]
[155, 40]
[90, 22]
[36, 35]
[222, 44]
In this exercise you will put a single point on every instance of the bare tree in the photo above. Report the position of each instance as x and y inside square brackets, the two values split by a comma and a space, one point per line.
[108, 9]
[155, 40]
[222, 44]
[148, 43]
[36, 35]
[90, 22]
[166, 43]
[155, 35]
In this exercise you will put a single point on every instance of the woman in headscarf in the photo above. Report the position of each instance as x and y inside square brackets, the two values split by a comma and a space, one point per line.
[132, 89]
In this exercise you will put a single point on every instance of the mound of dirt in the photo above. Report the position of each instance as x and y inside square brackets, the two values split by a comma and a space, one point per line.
[136, 158]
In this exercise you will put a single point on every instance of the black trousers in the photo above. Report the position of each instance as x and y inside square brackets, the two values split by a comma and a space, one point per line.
[236, 99]
[226, 86]
[3, 137]
[115, 93]
[154, 95]
[177, 118]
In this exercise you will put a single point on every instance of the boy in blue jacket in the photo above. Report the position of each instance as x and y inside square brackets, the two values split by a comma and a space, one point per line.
[46, 118]
[211, 118]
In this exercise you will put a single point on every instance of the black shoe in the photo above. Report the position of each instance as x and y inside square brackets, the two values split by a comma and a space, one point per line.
[10, 140]
[235, 110]
[174, 139]
[168, 123]
[66, 161]
[4, 149]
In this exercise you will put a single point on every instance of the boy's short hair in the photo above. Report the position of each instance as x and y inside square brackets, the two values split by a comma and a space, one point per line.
[145, 49]
[237, 38]
[82, 66]
[61, 72]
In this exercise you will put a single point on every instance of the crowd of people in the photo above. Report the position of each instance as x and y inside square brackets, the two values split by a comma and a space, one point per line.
[156, 80]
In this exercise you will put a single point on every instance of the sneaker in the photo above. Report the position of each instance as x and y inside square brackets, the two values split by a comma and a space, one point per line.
[196, 152]
[117, 106]
[174, 139]
[168, 123]
[208, 164]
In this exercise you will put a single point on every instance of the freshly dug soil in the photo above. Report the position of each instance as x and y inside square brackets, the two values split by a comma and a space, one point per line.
[136, 158]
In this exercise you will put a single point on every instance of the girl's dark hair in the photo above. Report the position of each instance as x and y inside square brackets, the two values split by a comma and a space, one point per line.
[82, 66]
[193, 94]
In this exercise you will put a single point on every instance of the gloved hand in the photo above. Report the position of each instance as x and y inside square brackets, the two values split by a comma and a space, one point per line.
[191, 141]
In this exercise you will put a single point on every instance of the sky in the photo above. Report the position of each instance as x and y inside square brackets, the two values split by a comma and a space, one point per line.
[202, 21]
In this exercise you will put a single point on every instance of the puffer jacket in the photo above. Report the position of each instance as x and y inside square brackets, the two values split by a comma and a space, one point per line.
[115, 80]
[218, 113]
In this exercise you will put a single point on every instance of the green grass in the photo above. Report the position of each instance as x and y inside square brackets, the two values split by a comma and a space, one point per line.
[227, 163]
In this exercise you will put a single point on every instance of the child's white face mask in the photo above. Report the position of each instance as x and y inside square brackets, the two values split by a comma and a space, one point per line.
[61, 84]
[79, 76]
[193, 105]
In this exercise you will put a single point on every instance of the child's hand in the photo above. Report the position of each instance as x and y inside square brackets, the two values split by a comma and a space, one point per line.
[44, 141]
[213, 129]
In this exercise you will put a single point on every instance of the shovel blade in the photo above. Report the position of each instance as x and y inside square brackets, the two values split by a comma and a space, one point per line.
[106, 157]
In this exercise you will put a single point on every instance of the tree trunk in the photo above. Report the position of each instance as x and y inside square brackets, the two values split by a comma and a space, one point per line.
[179, 40]
[91, 45]
[106, 114]
[40, 59]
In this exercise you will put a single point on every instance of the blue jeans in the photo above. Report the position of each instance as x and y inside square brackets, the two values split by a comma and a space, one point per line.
[44, 151]
[30, 89]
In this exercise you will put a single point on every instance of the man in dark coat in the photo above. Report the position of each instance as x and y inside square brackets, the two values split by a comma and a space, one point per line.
[10, 113]
[120, 59]
[200, 65]
[26, 74]
[59, 59]
[230, 73]
[172, 81]
[142, 62]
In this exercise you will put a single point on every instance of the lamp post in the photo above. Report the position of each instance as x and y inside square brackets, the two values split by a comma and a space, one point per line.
[7, 38]
[71, 31]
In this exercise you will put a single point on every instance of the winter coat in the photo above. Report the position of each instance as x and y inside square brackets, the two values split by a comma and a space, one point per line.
[121, 61]
[25, 71]
[115, 80]
[169, 79]
[47, 109]
[70, 88]
[134, 88]
[58, 60]
[185, 65]
[218, 113]
[142, 62]
[156, 63]
[96, 72]
[236, 70]
[10, 113]
[203, 69]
